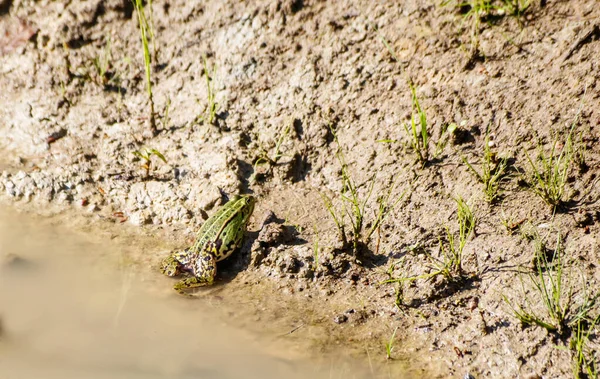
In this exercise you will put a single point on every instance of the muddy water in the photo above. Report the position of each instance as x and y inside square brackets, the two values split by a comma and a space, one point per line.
[73, 305]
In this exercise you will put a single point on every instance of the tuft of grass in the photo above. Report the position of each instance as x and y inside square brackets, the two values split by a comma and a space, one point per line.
[585, 357]
[102, 64]
[98, 71]
[447, 131]
[551, 283]
[271, 159]
[353, 205]
[515, 7]
[145, 32]
[146, 155]
[548, 283]
[550, 171]
[316, 248]
[561, 313]
[452, 251]
[475, 12]
[211, 106]
[493, 171]
[417, 130]
[389, 345]
[166, 120]
[450, 263]
[510, 223]
[418, 134]
[399, 281]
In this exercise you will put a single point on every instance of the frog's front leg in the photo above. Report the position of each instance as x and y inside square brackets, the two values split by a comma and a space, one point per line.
[176, 262]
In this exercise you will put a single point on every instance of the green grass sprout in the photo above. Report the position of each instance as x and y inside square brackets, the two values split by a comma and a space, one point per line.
[211, 107]
[389, 345]
[146, 155]
[353, 204]
[271, 159]
[549, 172]
[144, 31]
[417, 132]
[493, 171]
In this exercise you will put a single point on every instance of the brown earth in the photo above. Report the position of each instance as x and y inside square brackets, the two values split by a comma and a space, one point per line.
[288, 73]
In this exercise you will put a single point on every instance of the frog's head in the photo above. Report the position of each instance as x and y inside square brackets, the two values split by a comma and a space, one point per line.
[246, 206]
[170, 266]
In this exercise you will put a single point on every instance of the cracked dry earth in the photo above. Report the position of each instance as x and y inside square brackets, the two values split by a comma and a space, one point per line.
[286, 74]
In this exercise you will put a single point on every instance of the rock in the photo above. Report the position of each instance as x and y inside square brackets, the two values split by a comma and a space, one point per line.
[9, 186]
[354, 277]
[257, 254]
[140, 218]
[340, 319]
[275, 234]
[334, 264]
[357, 317]
[473, 303]
[287, 263]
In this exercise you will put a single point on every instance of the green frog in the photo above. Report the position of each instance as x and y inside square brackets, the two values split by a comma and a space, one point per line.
[216, 240]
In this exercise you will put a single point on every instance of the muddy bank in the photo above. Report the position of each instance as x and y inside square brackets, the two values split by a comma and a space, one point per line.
[296, 83]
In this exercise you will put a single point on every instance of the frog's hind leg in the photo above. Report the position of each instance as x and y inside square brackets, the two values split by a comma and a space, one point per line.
[189, 283]
[176, 262]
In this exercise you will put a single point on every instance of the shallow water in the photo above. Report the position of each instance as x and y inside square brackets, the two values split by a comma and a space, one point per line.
[72, 306]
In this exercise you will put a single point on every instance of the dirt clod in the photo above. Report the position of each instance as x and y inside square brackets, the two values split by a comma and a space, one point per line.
[274, 234]
[340, 319]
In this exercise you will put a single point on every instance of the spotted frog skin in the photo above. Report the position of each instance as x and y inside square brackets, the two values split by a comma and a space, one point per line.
[216, 240]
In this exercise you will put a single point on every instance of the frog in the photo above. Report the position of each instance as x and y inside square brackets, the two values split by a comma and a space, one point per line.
[221, 235]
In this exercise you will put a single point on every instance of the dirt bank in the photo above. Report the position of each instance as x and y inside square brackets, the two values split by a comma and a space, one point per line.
[311, 99]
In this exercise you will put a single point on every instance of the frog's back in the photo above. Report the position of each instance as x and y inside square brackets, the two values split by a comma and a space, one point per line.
[214, 226]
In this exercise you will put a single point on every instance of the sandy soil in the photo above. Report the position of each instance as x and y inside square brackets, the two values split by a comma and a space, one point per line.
[287, 74]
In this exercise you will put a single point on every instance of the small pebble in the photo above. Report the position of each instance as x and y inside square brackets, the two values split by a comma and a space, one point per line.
[473, 303]
[340, 319]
